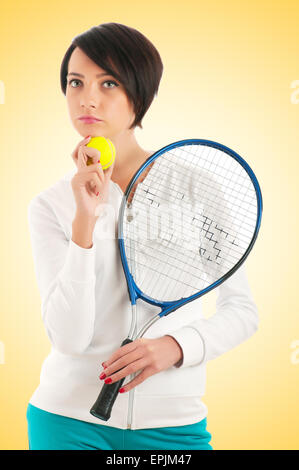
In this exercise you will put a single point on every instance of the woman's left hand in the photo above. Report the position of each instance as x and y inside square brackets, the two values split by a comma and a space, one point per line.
[146, 355]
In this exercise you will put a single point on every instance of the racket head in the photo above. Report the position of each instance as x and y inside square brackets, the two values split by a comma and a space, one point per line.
[190, 146]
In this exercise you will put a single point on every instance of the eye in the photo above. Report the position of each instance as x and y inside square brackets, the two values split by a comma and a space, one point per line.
[111, 81]
[73, 80]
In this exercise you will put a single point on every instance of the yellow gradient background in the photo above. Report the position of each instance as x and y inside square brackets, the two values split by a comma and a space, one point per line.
[228, 71]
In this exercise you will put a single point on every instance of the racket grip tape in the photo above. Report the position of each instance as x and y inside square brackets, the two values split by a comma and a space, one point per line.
[104, 403]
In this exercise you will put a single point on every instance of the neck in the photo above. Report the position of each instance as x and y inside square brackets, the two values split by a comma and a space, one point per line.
[129, 157]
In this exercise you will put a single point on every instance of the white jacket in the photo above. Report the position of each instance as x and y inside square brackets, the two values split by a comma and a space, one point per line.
[86, 311]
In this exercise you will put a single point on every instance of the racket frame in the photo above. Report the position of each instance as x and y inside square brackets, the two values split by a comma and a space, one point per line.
[133, 289]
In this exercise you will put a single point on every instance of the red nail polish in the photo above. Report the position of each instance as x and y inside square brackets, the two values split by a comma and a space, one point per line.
[121, 390]
[108, 381]
[102, 376]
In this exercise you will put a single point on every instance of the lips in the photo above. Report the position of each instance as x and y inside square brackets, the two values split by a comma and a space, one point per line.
[89, 119]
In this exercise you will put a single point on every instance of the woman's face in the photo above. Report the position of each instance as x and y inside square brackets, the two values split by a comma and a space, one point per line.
[103, 97]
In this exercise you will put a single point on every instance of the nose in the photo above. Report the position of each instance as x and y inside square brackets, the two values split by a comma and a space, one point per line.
[90, 97]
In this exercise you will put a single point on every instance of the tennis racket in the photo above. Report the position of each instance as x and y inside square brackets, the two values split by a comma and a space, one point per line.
[188, 220]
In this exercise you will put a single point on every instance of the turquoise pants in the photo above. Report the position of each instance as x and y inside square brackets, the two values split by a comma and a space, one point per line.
[49, 431]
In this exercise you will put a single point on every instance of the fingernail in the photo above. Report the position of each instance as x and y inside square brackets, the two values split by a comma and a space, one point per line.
[99, 161]
[108, 381]
[121, 390]
[97, 194]
[102, 376]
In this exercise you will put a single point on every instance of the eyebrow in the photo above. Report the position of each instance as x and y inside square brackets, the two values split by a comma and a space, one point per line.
[80, 75]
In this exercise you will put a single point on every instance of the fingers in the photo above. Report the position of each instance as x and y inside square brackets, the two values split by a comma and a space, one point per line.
[95, 164]
[94, 184]
[82, 159]
[120, 364]
[88, 156]
[122, 351]
[150, 356]
[83, 168]
[89, 176]
[90, 181]
[90, 173]
[74, 154]
[145, 372]
[131, 368]
[92, 153]
[127, 360]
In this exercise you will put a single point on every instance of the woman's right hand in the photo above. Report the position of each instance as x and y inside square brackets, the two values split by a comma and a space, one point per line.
[90, 180]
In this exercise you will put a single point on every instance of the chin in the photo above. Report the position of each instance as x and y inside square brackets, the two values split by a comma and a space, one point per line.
[91, 129]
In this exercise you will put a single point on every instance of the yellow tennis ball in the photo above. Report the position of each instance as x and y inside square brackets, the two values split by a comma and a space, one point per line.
[107, 149]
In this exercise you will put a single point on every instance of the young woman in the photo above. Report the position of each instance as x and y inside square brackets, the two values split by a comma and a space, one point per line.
[111, 73]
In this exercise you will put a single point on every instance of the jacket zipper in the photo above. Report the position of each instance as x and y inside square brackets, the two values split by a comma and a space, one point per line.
[130, 408]
[131, 392]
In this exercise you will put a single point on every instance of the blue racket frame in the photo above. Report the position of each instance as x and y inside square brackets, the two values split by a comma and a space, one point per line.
[133, 289]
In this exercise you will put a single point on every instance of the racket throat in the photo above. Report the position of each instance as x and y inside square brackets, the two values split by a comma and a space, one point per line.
[148, 325]
[133, 327]
[132, 334]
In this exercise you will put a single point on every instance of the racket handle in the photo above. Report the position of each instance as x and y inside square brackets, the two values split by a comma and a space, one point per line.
[105, 401]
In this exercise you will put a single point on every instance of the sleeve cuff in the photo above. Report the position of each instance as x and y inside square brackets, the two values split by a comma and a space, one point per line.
[79, 264]
[192, 346]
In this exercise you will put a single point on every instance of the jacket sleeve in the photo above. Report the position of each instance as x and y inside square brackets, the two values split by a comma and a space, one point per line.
[234, 321]
[66, 278]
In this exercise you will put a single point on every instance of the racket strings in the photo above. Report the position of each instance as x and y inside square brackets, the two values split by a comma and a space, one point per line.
[172, 263]
[174, 198]
[169, 265]
[173, 256]
[234, 170]
[201, 219]
[211, 191]
[188, 221]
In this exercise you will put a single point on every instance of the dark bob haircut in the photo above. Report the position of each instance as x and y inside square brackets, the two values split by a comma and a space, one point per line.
[127, 55]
